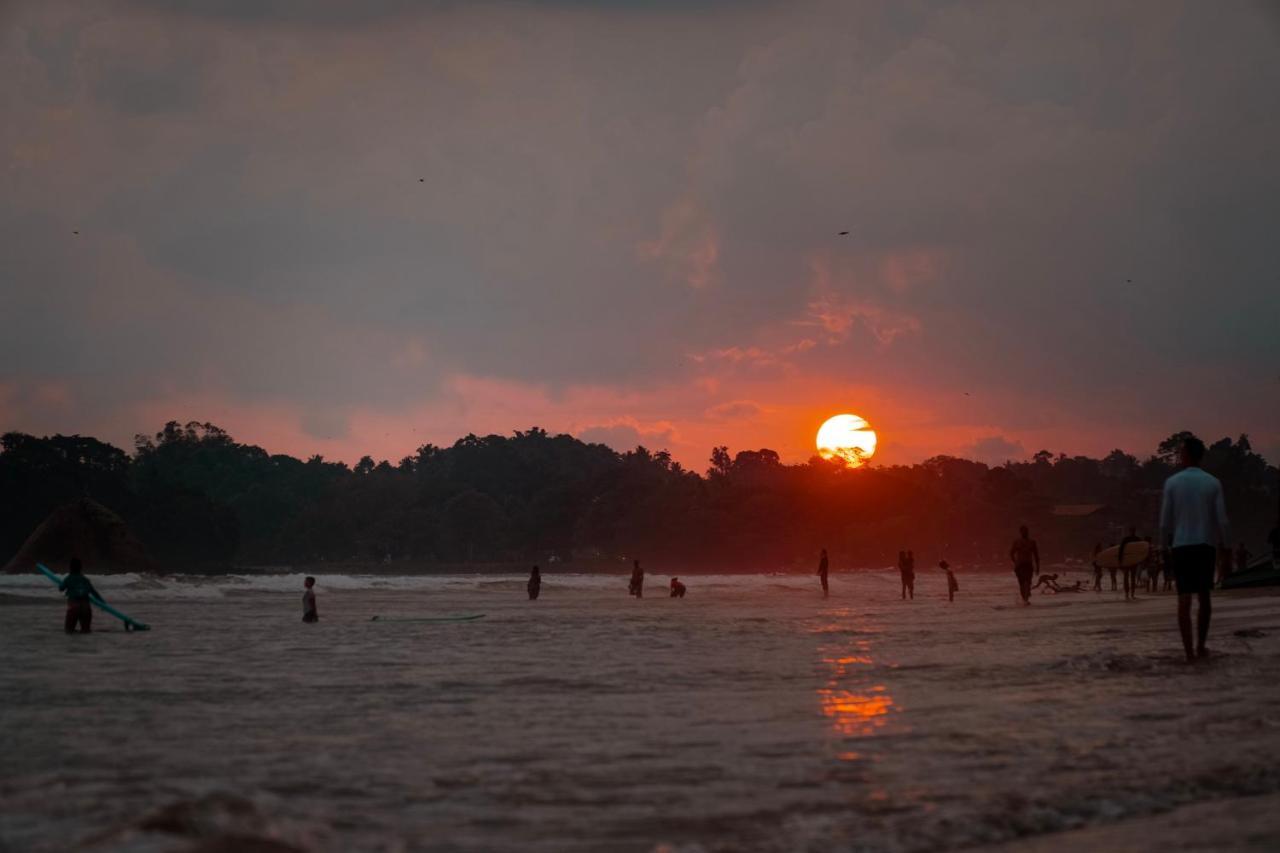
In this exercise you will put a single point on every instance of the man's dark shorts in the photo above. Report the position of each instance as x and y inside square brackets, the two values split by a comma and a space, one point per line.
[1193, 568]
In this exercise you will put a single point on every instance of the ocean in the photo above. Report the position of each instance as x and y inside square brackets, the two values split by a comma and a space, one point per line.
[752, 715]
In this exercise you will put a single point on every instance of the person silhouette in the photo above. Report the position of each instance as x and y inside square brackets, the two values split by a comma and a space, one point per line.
[1025, 555]
[535, 583]
[677, 588]
[309, 612]
[80, 594]
[822, 572]
[1193, 525]
[637, 581]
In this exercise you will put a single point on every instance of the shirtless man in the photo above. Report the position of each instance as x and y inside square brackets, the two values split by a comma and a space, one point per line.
[1026, 561]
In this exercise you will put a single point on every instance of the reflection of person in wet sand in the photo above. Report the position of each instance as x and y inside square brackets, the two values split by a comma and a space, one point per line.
[1025, 555]
[1193, 524]
[822, 572]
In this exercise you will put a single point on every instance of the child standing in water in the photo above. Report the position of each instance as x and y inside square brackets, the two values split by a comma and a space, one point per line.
[953, 586]
[535, 583]
[677, 588]
[309, 612]
[80, 593]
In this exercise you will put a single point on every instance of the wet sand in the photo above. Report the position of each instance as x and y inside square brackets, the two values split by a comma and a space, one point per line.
[752, 715]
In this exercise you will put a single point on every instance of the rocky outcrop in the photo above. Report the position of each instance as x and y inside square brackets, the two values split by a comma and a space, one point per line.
[88, 530]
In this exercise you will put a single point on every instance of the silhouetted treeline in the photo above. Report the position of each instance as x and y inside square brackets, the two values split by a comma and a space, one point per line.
[197, 497]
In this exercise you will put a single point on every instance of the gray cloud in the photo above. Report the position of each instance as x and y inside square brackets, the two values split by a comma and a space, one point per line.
[334, 205]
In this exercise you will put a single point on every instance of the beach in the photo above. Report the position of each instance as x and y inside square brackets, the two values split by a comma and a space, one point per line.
[751, 715]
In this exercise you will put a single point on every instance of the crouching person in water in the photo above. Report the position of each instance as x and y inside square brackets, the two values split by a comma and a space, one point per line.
[677, 588]
[80, 594]
[535, 583]
[309, 612]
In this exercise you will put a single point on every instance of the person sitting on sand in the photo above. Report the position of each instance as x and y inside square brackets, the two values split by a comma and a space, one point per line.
[953, 585]
[637, 581]
[677, 588]
[535, 583]
[80, 594]
[1025, 555]
[309, 611]
[822, 572]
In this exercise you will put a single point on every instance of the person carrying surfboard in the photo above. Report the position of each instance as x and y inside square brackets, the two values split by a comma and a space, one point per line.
[1193, 525]
[1025, 555]
[80, 594]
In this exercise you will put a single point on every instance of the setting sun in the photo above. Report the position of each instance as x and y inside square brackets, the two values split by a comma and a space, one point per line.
[847, 437]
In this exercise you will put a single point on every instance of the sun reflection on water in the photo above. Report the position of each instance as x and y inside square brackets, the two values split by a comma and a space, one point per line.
[855, 706]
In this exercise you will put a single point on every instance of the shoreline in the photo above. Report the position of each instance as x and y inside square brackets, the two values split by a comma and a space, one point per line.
[1248, 823]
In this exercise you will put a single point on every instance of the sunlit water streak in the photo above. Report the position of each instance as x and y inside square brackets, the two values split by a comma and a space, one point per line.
[751, 715]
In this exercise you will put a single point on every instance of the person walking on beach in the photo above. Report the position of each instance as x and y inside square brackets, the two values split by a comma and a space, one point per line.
[952, 585]
[822, 572]
[907, 575]
[1193, 525]
[637, 581]
[80, 594]
[309, 612]
[535, 583]
[1025, 555]
[1097, 570]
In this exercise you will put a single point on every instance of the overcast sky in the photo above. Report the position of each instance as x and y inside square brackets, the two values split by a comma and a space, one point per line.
[346, 228]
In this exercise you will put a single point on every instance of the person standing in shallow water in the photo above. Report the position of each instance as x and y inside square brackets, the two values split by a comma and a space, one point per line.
[1025, 555]
[907, 575]
[822, 572]
[80, 594]
[1193, 525]
[535, 583]
[309, 612]
[953, 586]
[637, 581]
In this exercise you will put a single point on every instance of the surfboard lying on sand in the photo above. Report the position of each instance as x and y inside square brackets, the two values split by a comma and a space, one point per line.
[130, 624]
[467, 617]
[1134, 554]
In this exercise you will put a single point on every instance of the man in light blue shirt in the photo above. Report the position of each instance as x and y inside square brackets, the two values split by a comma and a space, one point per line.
[1193, 523]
